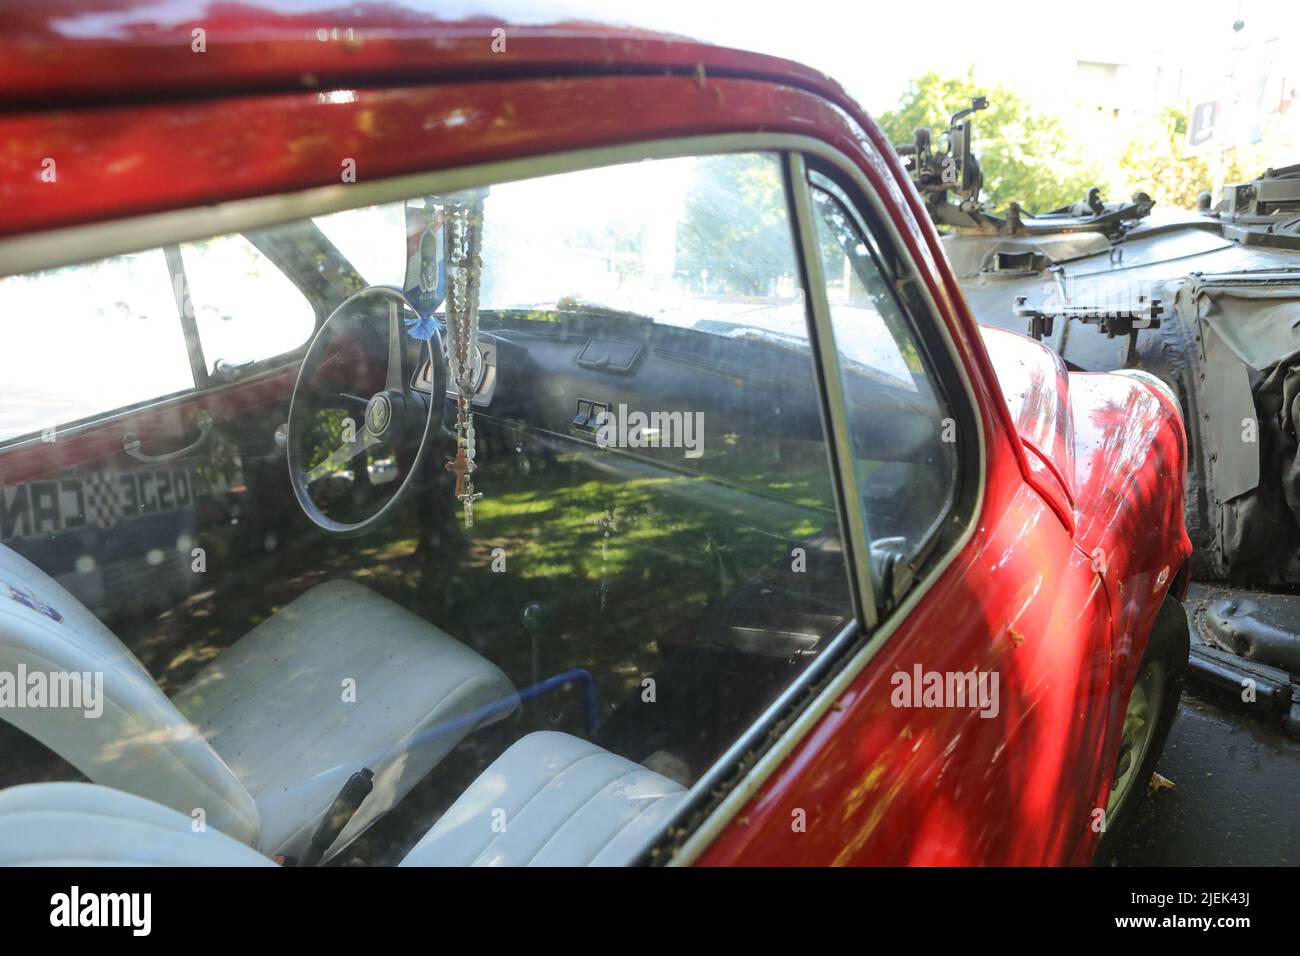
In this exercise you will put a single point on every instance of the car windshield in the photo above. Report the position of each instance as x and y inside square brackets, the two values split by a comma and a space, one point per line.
[608, 237]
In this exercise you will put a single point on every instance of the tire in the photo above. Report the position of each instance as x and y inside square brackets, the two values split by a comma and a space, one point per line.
[1164, 665]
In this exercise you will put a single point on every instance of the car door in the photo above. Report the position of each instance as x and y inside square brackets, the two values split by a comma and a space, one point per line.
[971, 725]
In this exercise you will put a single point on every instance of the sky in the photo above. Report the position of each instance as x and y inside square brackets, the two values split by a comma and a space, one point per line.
[873, 48]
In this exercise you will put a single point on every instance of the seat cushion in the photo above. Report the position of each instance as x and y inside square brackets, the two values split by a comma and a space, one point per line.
[84, 824]
[339, 679]
[550, 800]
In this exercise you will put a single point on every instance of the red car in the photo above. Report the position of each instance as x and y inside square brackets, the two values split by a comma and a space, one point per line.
[460, 443]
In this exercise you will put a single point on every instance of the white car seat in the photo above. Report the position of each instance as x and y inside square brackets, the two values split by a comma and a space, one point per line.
[84, 824]
[263, 738]
[549, 800]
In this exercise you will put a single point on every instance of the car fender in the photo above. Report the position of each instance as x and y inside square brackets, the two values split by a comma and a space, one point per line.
[1130, 451]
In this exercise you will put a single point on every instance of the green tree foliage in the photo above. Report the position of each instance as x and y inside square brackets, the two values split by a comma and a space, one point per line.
[1027, 156]
[1152, 159]
[1045, 162]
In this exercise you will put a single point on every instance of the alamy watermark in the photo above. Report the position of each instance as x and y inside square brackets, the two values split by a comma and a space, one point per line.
[74, 908]
[961, 690]
[623, 429]
[1108, 301]
[22, 689]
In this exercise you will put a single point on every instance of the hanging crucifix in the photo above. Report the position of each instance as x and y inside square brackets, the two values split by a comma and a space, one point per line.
[463, 232]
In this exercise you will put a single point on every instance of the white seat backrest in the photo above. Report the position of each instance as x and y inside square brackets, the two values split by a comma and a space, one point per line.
[139, 742]
[551, 800]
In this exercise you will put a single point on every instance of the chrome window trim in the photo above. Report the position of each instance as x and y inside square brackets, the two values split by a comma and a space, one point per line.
[85, 243]
[834, 414]
[70, 245]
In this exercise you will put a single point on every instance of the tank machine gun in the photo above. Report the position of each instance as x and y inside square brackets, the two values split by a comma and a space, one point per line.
[1019, 243]
[954, 169]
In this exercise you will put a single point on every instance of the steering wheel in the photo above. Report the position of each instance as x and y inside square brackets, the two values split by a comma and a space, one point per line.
[398, 423]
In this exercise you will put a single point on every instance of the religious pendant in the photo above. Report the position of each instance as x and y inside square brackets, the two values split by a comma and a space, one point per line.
[460, 468]
[463, 226]
[463, 467]
[467, 502]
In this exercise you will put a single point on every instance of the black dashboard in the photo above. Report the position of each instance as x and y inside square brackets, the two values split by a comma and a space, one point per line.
[557, 374]
[485, 373]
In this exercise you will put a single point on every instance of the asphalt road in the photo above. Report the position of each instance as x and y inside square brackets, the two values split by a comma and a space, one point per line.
[1236, 795]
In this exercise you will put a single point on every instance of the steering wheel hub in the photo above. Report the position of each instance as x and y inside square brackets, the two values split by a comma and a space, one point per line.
[379, 414]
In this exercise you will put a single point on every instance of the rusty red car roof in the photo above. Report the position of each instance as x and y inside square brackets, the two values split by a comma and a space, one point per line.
[76, 52]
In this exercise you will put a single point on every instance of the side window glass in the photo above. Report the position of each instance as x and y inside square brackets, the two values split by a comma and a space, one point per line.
[365, 239]
[246, 309]
[655, 474]
[644, 557]
[904, 440]
[86, 340]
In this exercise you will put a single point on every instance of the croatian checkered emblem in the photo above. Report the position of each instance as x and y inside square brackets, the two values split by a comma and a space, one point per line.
[103, 504]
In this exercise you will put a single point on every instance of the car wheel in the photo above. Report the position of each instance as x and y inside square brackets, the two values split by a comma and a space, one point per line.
[1148, 716]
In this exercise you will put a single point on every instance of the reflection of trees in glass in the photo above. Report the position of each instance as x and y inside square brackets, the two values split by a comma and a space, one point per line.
[657, 551]
[219, 467]
[325, 275]
[322, 434]
[344, 492]
[620, 242]
[735, 229]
